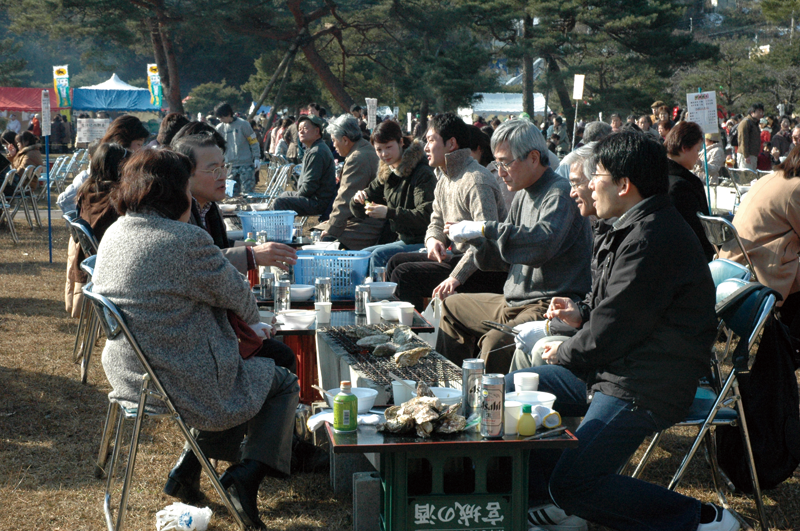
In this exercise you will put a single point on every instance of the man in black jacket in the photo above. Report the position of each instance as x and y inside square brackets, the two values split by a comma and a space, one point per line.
[643, 342]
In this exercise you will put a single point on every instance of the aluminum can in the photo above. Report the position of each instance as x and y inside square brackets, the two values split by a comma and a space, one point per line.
[322, 289]
[267, 285]
[379, 274]
[283, 295]
[471, 373]
[493, 392]
[362, 298]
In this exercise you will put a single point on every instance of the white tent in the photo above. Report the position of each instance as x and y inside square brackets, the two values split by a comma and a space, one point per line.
[500, 103]
[114, 83]
[112, 95]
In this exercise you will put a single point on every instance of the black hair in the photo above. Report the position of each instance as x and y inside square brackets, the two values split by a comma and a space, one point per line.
[637, 157]
[559, 120]
[479, 139]
[323, 112]
[355, 107]
[170, 125]
[27, 138]
[223, 109]
[755, 107]
[488, 130]
[685, 135]
[155, 179]
[189, 144]
[104, 169]
[125, 130]
[196, 128]
[448, 125]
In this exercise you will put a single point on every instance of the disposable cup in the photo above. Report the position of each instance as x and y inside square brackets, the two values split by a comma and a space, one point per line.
[512, 412]
[406, 315]
[526, 381]
[402, 393]
[374, 312]
[323, 311]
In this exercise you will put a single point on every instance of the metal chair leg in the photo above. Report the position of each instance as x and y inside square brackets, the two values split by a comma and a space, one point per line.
[751, 463]
[94, 330]
[646, 457]
[711, 455]
[35, 209]
[77, 350]
[110, 473]
[105, 442]
[137, 428]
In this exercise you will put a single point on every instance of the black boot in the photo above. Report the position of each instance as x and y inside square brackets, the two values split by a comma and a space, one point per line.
[242, 481]
[184, 479]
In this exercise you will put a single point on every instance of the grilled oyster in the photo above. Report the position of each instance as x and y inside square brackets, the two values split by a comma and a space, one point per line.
[422, 408]
[391, 412]
[385, 349]
[424, 430]
[410, 357]
[373, 340]
[398, 424]
[364, 331]
[451, 424]
[423, 389]
[402, 335]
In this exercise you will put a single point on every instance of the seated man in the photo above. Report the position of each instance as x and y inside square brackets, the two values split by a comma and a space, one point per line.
[207, 185]
[316, 186]
[360, 168]
[465, 191]
[545, 245]
[643, 342]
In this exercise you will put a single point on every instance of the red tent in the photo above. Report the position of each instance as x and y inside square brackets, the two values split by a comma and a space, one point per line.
[21, 99]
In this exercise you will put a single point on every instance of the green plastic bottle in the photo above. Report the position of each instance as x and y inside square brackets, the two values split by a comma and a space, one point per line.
[250, 238]
[527, 424]
[345, 410]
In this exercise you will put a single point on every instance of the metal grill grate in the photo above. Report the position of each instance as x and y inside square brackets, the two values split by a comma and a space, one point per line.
[434, 369]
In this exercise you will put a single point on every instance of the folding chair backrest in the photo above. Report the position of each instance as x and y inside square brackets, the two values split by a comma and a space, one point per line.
[69, 217]
[742, 177]
[720, 231]
[85, 234]
[728, 287]
[28, 176]
[88, 265]
[745, 313]
[723, 269]
[10, 174]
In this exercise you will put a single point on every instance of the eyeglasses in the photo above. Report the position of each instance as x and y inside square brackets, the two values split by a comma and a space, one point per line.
[575, 184]
[596, 176]
[217, 172]
[504, 165]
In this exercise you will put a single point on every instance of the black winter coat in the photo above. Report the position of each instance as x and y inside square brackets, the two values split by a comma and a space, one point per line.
[688, 196]
[408, 194]
[651, 322]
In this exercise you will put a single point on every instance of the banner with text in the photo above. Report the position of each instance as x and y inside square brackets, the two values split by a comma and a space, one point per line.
[91, 129]
[154, 85]
[702, 109]
[61, 85]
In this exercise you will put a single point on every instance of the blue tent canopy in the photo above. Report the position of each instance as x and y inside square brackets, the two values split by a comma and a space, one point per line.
[112, 95]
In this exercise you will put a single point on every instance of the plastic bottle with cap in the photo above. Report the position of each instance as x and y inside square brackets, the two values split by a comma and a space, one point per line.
[345, 410]
[527, 424]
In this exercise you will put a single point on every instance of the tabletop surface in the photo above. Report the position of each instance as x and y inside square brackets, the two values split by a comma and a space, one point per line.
[368, 439]
[348, 318]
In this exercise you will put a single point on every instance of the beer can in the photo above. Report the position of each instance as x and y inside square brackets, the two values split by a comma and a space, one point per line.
[267, 285]
[471, 374]
[362, 298]
[493, 392]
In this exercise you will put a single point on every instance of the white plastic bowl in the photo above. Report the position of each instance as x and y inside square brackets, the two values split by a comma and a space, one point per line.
[366, 397]
[298, 318]
[259, 206]
[301, 292]
[390, 311]
[534, 398]
[227, 209]
[446, 395]
[382, 290]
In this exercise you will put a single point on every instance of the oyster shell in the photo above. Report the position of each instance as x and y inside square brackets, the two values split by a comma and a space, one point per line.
[451, 424]
[425, 415]
[391, 412]
[385, 349]
[410, 357]
[364, 331]
[423, 389]
[424, 430]
[399, 424]
[373, 340]
[402, 335]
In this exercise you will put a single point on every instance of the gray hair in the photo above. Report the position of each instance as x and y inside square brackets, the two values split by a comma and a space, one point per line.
[522, 137]
[584, 155]
[345, 126]
[596, 131]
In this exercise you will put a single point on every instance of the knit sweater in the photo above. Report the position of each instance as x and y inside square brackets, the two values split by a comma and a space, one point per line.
[546, 241]
[466, 191]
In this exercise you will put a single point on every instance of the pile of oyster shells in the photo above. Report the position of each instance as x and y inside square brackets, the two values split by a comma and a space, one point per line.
[423, 414]
[399, 342]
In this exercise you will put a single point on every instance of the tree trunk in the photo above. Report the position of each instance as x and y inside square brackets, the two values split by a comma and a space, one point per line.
[527, 68]
[291, 52]
[164, 55]
[327, 77]
[274, 110]
[423, 115]
[564, 97]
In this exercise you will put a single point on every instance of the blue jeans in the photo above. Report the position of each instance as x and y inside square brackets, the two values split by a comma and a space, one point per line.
[583, 481]
[382, 253]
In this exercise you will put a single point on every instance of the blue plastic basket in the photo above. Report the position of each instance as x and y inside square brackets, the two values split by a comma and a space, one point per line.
[229, 184]
[346, 269]
[277, 223]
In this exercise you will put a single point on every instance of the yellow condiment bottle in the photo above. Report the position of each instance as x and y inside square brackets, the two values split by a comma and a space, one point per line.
[527, 424]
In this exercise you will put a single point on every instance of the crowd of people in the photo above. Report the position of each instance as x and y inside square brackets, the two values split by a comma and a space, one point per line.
[594, 255]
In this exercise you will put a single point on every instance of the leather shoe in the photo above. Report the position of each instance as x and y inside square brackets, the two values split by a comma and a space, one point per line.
[241, 481]
[184, 479]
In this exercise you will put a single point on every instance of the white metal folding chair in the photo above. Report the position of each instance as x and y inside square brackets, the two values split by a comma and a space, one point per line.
[88, 325]
[5, 205]
[720, 231]
[23, 197]
[114, 324]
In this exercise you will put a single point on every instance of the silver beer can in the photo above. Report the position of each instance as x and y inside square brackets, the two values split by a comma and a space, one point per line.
[322, 289]
[493, 393]
[267, 285]
[362, 298]
[471, 373]
[283, 295]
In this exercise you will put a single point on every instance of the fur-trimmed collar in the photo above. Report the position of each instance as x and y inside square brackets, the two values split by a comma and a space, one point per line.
[412, 155]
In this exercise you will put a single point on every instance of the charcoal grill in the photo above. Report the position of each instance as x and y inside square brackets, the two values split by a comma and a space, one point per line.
[340, 358]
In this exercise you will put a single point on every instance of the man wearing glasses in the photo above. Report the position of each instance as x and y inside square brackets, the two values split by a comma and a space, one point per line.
[544, 244]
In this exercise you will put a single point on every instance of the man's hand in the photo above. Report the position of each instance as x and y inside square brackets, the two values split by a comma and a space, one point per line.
[446, 288]
[565, 309]
[360, 197]
[549, 354]
[528, 334]
[275, 254]
[376, 211]
[464, 230]
[436, 250]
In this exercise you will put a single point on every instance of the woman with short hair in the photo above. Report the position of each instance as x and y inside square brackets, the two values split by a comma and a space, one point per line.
[28, 154]
[128, 131]
[179, 297]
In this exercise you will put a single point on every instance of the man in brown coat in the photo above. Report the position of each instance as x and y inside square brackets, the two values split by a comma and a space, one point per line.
[750, 138]
[360, 167]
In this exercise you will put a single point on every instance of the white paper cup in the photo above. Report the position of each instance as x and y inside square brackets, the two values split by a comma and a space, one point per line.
[374, 312]
[402, 393]
[513, 410]
[323, 311]
[406, 315]
[526, 381]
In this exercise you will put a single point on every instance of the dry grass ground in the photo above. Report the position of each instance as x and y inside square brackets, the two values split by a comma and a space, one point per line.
[50, 426]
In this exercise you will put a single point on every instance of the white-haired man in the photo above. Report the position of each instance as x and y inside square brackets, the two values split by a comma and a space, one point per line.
[544, 243]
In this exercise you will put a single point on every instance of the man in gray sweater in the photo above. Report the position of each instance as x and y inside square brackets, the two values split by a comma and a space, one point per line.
[545, 245]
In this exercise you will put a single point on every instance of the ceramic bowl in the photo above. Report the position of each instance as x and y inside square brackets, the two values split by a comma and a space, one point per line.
[390, 311]
[534, 398]
[382, 290]
[259, 206]
[366, 397]
[446, 395]
[227, 209]
[298, 318]
[301, 292]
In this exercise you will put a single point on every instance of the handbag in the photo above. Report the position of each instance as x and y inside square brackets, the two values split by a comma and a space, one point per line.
[249, 342]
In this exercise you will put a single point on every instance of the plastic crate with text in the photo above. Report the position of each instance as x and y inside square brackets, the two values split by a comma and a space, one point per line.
[346, 269]
[278, 224]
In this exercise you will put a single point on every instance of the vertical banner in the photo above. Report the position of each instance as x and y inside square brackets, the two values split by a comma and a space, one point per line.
[408, 118]
[372, 109]
[45, 121]
[702, 110]
[61, 85]
[154, 85]
[577, 87]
